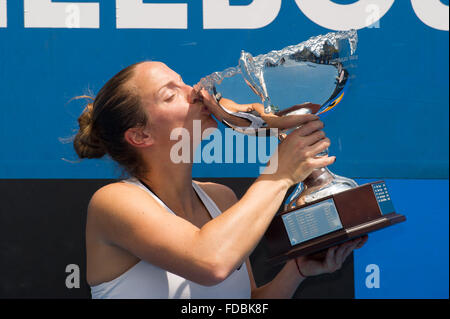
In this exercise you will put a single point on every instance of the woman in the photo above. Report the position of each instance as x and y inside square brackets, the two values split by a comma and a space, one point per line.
[161, 235]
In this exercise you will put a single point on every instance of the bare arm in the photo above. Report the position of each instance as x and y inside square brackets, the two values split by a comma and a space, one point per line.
[289, 278]
[135, 222]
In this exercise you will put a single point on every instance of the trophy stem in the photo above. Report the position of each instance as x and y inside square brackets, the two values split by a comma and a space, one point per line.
[320, 183]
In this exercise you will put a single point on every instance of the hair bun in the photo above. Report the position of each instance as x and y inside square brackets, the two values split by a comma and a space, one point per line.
[86, 142]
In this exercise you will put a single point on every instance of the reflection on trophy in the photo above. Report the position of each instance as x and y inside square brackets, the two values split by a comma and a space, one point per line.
[306, 78]
[269, 92]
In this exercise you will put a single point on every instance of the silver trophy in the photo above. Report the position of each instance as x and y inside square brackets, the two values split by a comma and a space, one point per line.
[269, 91]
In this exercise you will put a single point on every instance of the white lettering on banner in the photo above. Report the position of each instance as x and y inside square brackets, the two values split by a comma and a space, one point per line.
[373, 17]
[432, 12]
[47, 14]
[3, 14]
[373, 279]
[335, 16]
[73, 16]
[134, 14]
[218, 14]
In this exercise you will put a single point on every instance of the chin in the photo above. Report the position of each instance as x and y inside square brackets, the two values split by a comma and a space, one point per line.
[209, 122]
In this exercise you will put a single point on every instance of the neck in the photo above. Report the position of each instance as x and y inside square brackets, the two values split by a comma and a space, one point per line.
[172, 183]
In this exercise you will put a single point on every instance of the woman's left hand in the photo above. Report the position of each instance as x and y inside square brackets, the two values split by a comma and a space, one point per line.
[333, 260]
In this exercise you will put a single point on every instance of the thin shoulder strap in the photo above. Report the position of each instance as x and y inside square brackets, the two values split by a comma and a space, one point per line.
[147, 188]
[156, 196]
[207, 201]
[212, 208]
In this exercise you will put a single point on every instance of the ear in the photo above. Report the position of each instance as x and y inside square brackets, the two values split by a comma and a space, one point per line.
[139, 137]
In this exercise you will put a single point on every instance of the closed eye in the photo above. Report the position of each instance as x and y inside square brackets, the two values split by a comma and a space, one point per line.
[170, 98]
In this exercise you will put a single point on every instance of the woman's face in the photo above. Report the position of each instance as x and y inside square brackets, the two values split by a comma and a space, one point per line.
[169, 102]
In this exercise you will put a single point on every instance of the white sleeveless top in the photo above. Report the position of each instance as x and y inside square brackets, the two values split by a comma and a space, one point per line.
[147, 281]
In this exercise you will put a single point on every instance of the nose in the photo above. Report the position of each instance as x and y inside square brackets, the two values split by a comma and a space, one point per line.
[193, 95]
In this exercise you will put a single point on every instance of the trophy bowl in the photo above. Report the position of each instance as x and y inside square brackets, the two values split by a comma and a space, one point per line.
[268, 93]
[310, 77]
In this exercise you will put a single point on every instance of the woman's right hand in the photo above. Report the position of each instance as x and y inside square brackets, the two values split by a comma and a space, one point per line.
[296, 154]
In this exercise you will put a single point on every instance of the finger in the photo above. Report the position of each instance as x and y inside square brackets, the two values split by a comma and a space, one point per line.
[294, 121]
[204, 93]
[301, 119]
[195, 96]
[201, 91]
[349, 250]
[330, 258]
[319, 146]
[320, 162]
[197, 87]
[340, 253]
[312, 139]
[312, 125]
[363, 241]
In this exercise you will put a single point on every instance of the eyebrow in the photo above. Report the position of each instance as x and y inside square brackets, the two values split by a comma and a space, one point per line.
[164, 86]
[167, 84]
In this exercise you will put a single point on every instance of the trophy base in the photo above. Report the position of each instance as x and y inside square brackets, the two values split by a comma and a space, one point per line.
[312, 228]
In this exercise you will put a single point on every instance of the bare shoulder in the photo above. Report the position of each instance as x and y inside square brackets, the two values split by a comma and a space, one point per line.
[115, 202]
[112, 194]
[222, 195]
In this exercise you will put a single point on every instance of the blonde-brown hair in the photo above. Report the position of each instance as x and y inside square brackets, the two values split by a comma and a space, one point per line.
[103, 123]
